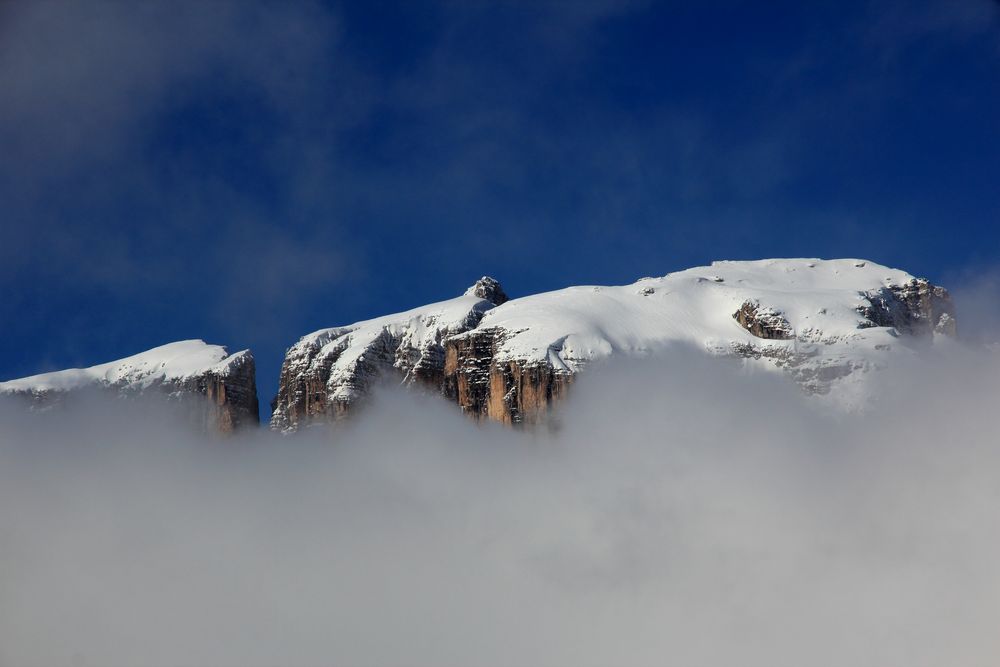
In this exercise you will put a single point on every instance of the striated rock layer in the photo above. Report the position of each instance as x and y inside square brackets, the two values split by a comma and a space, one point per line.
[328, 372]
[218, 390]
[230, 388]
[512, 392]
[824, 324]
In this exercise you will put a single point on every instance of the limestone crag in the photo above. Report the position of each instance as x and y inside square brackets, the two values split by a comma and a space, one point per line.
[327, 373]
[511, 392]
[915, 307]
[762, 321]
[216, 391]
[231, 390]
[488, 289]
[825, 324]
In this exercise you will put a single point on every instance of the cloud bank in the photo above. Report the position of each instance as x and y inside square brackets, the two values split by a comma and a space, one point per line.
[680, 512]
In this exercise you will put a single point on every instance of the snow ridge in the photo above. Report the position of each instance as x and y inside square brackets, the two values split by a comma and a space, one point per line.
[173, 361]
[694, 306]
[823, 323]
[217, 389]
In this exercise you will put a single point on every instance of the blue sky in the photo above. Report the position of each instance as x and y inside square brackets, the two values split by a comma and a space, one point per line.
[249, 172]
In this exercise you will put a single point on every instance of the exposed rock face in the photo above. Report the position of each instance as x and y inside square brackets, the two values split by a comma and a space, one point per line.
[915, 307]
[327, 373]
[763, 322]
[218, 392]
[511, 392]
[231, 392]
[489, 289]
[510, 361]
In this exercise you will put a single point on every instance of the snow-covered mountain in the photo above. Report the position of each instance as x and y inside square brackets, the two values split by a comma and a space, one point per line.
[824, 323]
[181, 369]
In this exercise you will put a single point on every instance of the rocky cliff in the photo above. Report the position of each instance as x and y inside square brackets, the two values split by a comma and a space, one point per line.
[218, 390]
[513, 391]
[823, 324]
[327, 373]
[230, 388]
[916, 307]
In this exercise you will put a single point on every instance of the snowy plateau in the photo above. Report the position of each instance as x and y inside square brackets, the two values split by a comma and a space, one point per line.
[825, 324]
[182, 371]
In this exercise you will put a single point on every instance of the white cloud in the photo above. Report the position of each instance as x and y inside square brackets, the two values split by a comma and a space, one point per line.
[682, 513]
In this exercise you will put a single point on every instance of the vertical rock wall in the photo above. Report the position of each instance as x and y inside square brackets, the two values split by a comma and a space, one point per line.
[328, 373]
[230, 395]
[220, 399]
[510, 392]
[462, 363]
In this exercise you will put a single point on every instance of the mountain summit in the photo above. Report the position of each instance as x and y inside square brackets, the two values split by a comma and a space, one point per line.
[824, 324]
[181, 370]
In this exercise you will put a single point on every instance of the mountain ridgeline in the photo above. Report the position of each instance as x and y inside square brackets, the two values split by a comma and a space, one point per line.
[824, 324]
[215, 390]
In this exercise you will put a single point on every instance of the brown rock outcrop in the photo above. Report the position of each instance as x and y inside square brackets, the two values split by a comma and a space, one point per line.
[916, 308]
[489, 289]
[511, 392]
[231, 394]
[486, 363]
[763, 322]
[329, 372]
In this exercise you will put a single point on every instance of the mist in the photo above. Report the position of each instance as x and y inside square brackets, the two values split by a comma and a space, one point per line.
[678, 511]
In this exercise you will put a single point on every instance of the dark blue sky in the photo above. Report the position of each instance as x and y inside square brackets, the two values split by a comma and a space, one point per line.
[248, 172]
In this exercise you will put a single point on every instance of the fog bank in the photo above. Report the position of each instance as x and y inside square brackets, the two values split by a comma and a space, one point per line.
[683, 512]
